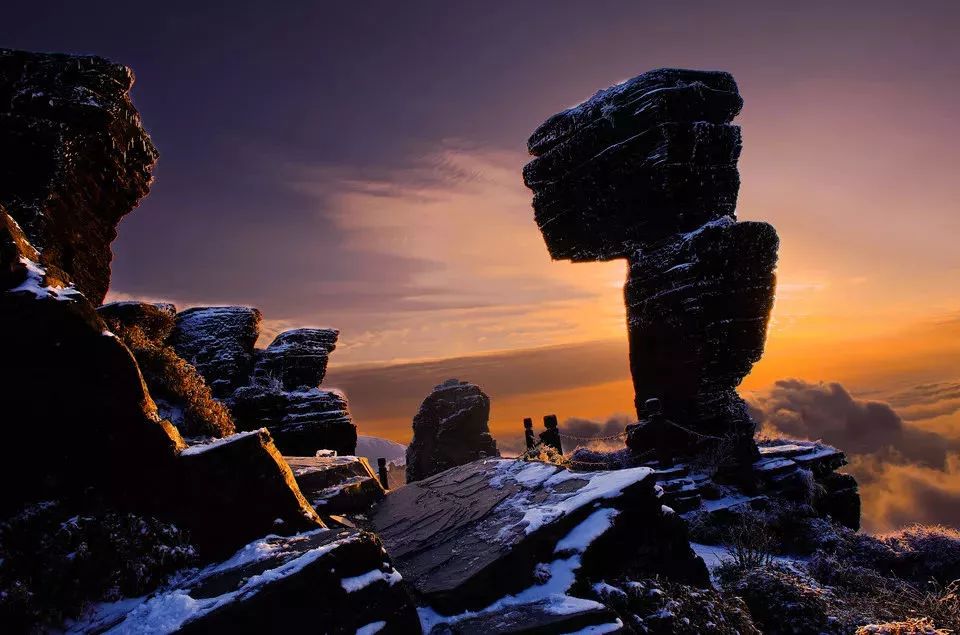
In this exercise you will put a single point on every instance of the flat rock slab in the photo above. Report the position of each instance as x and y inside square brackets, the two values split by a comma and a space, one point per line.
[329, 580]
[562, 615]
[336, 484]
[468, 536]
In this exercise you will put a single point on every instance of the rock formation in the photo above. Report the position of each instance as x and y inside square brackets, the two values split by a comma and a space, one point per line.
[297, 358]
[337, 580]
[219, 341]
[75, 159]
[275, 387]
[647, 171]
[501, 528]
[450, 429]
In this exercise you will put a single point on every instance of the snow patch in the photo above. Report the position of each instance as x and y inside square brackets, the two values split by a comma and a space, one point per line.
[356, 583]
[203, 447]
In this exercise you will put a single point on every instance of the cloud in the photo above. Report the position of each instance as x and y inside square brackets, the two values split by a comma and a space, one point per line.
[898, 494]
[907, 474]
[827, 411]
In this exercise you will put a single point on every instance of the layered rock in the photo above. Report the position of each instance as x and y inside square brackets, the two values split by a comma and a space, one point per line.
[335, 580]
[75, 159]
[297, 358]
[647, 171]
[219, 342]
[450, 429]
[495, 534]
[301, 421]
[337, 484]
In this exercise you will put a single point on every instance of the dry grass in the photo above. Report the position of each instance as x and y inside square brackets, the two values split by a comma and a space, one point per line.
[172, 379]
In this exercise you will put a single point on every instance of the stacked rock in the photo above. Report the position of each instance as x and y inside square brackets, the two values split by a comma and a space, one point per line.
[276, 387]
[647, 171]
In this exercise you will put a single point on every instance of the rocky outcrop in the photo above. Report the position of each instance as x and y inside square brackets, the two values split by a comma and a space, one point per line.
[301, 421]
[219, 341]
[75, 158]
[71, 389]
[335, 580]
[494, 534]
[337, 484]
[297, 358]
[450, 429]
[647, 171]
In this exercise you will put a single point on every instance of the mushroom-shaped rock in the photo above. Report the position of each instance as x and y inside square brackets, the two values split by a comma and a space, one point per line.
[75, 158]
[297, 358]
[450, 429]
[219, 341]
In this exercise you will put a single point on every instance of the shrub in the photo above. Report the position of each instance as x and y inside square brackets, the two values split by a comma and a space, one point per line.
[661, 608]
[55, 562]
[781, 602]
[910, 627]
[173, 380]
[545, 454]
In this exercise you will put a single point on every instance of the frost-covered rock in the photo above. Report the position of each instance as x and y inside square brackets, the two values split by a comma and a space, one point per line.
[500, 533]
[647, 171]
[326, 580]
[301, 421]
[75, 158]
[219, 341]
[297, 358]
[337, 484]
[450, 429]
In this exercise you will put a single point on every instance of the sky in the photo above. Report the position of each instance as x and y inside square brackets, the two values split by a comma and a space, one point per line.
[358, 165]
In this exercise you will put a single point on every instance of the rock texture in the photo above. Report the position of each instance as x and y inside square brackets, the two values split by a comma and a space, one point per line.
[450, 429]
[219, 342]
[75, 158]
[156, 321]
[335, 580]
[297, 358]
[301, 421]
[337, 484]
[469, 537]
[647, 171]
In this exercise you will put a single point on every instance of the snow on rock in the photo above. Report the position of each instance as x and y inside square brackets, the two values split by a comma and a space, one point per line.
[296, 358]
[215, 443]
[219, 342]
[452, 533]
[337, 484]
[325, 576]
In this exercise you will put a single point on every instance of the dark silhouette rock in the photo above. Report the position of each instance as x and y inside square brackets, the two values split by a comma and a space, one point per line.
[75, 158]
[242, 478]
[647, 171]
[332, 580]
[301, 421]
[219, 341]
[450, 429]
[297, 358]
[476, 533]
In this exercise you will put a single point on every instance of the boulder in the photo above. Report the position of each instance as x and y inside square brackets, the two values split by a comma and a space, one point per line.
[337, 484]
[496, 533]
[301, 421]
[450, 429]
[76, 158]
[332, 580]
[219, 342]
[296, 358]
[243, 480]
[155, 320]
